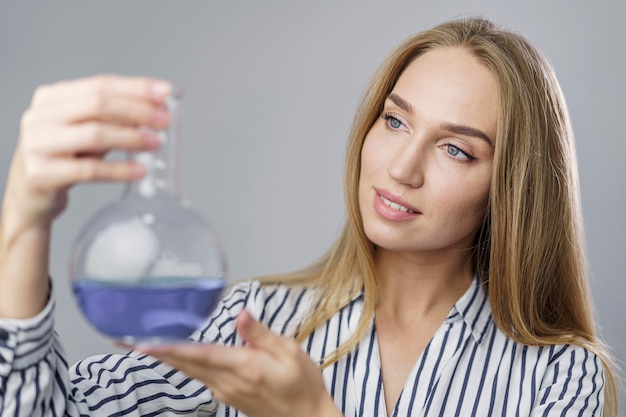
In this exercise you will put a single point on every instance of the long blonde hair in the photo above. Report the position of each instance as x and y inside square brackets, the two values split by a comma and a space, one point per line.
[529, 253]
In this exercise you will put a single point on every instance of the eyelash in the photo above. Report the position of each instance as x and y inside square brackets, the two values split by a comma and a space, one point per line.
[389, 118]
[468, 156]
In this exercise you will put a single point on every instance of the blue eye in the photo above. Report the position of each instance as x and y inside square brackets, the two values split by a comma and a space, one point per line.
[393, 122]
[457, 153]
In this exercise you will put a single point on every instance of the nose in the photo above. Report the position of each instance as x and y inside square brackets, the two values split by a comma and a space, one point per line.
[408, 163]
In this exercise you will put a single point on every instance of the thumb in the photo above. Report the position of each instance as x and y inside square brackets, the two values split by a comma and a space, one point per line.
[254, 333]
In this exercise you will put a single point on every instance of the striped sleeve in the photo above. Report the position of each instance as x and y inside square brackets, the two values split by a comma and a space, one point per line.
[136, 385]
[35, 379]
[573, 384]
[33, 372]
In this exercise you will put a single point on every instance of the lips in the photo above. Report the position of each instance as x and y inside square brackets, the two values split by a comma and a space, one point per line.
[393, 207]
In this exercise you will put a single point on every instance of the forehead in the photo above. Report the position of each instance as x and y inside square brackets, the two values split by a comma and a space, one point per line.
[449, 84]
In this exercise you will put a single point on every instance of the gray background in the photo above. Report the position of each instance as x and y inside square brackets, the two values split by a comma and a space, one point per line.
[271, 87]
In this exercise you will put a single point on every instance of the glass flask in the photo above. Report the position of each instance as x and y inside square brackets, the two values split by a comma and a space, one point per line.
[146, 268]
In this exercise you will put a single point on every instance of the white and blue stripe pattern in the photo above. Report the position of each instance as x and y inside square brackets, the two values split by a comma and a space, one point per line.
[469, 368]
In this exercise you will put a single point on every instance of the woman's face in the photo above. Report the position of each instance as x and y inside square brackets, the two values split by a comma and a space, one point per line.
[426, 162]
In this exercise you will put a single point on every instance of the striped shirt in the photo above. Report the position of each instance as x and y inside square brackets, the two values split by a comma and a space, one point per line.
[469, 368]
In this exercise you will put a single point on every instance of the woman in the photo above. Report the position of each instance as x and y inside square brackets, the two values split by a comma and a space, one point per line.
[457, 286]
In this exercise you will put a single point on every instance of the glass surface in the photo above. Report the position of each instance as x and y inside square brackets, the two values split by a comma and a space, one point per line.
[157, 309]
[146, 268]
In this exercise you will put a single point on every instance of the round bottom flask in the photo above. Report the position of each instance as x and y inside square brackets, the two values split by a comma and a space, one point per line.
[146, 268]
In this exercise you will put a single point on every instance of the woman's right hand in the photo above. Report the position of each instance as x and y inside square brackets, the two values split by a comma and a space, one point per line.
[64, 136]
[68, 129]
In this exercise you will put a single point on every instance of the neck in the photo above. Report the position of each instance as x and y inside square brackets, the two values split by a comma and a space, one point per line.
[416, 285]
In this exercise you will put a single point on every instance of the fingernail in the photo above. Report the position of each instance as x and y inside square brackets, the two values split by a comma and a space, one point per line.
[138, 170]
[160, 117]
[151, 140]
[160, 89]
[245, 320]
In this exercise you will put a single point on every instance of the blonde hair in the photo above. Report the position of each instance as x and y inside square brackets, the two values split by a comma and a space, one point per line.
[529, 252]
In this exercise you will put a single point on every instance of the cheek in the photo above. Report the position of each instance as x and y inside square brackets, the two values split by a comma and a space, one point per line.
[368, 154]
[370, 162]
[363, 178]
[465, 203]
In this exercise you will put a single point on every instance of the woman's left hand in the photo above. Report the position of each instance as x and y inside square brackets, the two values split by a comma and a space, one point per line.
[269, 376]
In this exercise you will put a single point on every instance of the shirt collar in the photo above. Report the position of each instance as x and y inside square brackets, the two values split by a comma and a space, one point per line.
[474, 309]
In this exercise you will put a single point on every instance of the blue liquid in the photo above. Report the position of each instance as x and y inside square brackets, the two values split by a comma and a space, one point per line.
[153, 308]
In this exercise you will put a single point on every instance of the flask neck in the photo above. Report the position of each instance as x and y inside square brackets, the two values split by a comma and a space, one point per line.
[162, 165]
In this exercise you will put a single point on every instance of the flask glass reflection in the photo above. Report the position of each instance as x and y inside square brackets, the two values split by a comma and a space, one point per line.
[146, 268]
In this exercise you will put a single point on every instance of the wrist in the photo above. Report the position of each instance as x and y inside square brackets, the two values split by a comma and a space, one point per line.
[24, 281]
[326, 408]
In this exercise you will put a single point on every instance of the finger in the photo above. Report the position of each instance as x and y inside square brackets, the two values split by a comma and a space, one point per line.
[214, 377]
[195, 353]
[200, 355]
[139, 87]
[62, 173]
[257, 335]
[90, 138]
[104, 107]
[214, 365]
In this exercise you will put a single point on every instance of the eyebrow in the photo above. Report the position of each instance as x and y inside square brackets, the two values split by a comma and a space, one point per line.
[466, 131]
[400, 102]
[450, 127]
